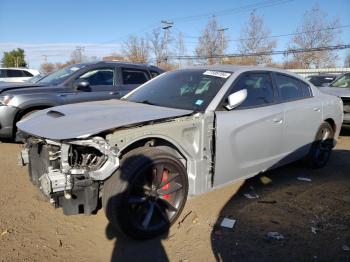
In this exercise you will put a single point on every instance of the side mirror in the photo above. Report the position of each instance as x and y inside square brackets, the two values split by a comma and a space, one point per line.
[236, 99]
[82, 85]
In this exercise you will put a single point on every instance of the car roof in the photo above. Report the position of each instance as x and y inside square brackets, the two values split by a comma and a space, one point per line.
[16, 68]
[123, 63]
[235, 68]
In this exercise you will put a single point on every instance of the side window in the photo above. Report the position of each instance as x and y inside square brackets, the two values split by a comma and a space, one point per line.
[99, 77]
[26, 73]
[288, 87]
[154, 74]
[134, 76]
[259, 88]
[2, 73]
[14, 73]
[306, 89]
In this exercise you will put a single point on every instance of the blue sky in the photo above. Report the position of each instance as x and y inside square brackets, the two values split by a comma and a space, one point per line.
[55, 28]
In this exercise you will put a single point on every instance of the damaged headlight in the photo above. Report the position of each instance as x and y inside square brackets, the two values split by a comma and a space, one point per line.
[5, 99]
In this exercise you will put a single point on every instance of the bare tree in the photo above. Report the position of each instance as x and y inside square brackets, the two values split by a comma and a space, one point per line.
[255, 39]
[315, 31]
[77, 56]
[136, 49]
[212, 42]
[156, 46]
[47, 68]
[347, 60]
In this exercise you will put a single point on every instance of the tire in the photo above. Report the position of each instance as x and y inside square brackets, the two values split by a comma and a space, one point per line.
[147, 193]
[17, 134]
[321, 148]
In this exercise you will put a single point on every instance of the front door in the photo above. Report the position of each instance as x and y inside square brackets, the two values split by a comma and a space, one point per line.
[102, 86]
[249, 137]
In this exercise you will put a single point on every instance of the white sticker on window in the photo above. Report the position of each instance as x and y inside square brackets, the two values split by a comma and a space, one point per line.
[217, 73]
[74, 68]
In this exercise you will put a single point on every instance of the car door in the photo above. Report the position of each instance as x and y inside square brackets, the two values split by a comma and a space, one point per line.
[302, 112]
[131, 79]
[102, 86]
[248, 138]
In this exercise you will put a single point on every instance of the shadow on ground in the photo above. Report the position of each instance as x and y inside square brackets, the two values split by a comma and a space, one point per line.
[292, 208]
[127, 249]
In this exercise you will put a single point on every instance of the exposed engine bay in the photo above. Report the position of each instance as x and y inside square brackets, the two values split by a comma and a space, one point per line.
[70, 173]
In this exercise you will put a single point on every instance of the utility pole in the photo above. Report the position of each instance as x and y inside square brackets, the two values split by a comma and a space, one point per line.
[166, 25]
[45, 58]
[80, 50]
[221, 31]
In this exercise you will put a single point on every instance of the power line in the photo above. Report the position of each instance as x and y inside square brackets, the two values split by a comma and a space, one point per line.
[275, 36]
[255, 5]
[258, 5]
[281, 52]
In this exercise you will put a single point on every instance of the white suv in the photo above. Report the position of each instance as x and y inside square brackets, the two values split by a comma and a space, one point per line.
[16, 74]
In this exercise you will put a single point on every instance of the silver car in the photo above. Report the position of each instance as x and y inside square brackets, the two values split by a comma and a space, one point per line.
[341, 88]
[184, 133]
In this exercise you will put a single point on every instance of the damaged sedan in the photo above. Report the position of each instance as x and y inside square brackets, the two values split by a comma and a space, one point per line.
[184, 133]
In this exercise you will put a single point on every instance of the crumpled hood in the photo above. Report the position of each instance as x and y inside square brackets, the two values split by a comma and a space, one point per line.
[12, 86]
[85, 119]
[340, 92]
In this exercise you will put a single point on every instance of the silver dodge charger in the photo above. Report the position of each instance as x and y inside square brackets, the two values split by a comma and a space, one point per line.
[184, 133]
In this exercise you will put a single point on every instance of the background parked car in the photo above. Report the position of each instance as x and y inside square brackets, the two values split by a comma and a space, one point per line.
[341, 88]
[73, 84]
[16, 74]
[322, 79]
[185, 132]
[35, 79]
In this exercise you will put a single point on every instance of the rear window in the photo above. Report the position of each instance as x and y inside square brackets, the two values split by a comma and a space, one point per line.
[154, 74]
[134, 76]
[306, 89]
[288, 87]
[26, 73]
[14, 73]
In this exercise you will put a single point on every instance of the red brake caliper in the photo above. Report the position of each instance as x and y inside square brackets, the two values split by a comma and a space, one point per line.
[166, 186]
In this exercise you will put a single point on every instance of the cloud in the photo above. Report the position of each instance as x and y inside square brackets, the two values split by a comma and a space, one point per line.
[57, 52]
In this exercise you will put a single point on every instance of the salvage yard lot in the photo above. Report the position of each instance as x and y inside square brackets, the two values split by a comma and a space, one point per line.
[30, 229]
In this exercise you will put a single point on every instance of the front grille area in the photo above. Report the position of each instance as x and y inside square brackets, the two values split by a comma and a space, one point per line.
[39, 161]
[346, 103]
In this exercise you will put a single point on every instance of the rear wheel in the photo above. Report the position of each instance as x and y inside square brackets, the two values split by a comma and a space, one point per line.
[146, 194]
[322, 146]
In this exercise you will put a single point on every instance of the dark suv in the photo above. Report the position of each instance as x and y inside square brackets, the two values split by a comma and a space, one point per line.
[73, 84]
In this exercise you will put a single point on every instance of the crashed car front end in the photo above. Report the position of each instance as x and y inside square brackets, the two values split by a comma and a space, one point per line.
[70, 172]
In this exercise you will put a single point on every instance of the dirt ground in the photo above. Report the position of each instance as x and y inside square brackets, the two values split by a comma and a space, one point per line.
[31, 230]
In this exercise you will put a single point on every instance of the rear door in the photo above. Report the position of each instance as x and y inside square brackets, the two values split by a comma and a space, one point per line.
[303, 115]
[249, 137]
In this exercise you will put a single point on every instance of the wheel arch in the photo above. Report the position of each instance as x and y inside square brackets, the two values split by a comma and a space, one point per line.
[25, 111]
[159, 142]
[332, 123]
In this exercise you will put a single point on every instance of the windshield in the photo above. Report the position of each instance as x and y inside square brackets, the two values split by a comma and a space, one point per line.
[35, 79]
[342, 82]
[59, 76]
[191, 89]
[320, 80]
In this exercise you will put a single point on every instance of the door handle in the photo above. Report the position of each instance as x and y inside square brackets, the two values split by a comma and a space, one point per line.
[317, 109]
[114, 93]
[278, 120]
